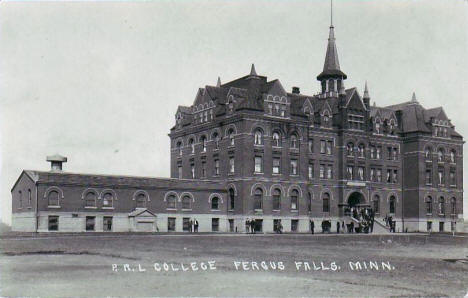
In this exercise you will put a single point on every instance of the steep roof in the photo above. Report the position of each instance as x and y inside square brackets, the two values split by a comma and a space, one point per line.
[331, 66]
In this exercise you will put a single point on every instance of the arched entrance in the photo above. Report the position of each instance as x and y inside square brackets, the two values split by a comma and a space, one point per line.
[355, 199]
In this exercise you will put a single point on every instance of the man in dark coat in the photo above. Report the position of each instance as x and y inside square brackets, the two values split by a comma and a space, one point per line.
[312, 226]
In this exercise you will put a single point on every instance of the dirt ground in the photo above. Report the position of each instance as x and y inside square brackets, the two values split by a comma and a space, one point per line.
[112, 265]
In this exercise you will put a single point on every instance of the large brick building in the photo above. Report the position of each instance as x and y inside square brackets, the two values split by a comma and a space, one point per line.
[248, 149]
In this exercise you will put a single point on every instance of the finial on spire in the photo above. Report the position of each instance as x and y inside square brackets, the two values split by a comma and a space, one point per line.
[331, 13]
[366, 91]
[218, 84]
[413, 99]
[252, 70]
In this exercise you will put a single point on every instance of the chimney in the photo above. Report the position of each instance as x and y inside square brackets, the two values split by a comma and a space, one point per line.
[296, 90]
[56, 162]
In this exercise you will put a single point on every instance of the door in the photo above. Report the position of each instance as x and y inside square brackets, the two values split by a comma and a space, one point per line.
[144, 226]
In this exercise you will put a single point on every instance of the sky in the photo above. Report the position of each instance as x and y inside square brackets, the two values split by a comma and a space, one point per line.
[100, 82]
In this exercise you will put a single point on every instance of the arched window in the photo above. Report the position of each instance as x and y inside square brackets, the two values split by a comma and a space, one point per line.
[326, 118]
[294, 142]
[276, 199]
[294, 199]
[376, 203]
[441, 205]
[232, 194]
[90, 199]
[215, 139]
[429, 205]
[108, 200]
[326, 202]
[187, 202]
[141, 200]
[350, 149]
[440, 155]
[258, 137]
[179, 148]
[361, 150]
[171, 202]
[427, 153]
[392, 205]
[452, 156]
[258, 199]
[231, 137]
[276, 139]
[53, 198]
[203, 143]
[192, 146]
[378, 126]
[453, 206]
[215, 203]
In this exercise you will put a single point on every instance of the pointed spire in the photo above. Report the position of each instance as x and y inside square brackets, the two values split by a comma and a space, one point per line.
[413, 99]
[366, 91]
[218, 84]
[252, 70]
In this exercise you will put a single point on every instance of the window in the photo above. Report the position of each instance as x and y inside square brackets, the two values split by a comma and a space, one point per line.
[429, 226]
[452, 156]
[29, 198]
[392, 205]
[215, 224]
[293, 166]
[441, 226]
[187, 203]
[179, 172]
[108, 200]
[192, 146]
[378, 151]
[215, 139]
[186, 224]
[276, 224]
[294, 142]
[372, 152]
[322, 172]
[276, 199]
[192, 171]
[53, 223]
[216, 167]
[453, 180]
[179, 148]
[171, 224]
[258, 137]
[323, 146]
[395, 153]
[440, 155]
[311, 170]
[379, 175]
[329, 147]
[53, 198]
[276, 165]
[258, 199]
[395, 176]
[231, 165]
[389, 153]
[427, 153]
[428, 205]
[376, 203]
[378, 127]
[215, 203]
[326, 202]
[361, 150]
[441, 176]
[276, 139]
[258, 164]
[171, 202]
[350, 172]
[350, 149]
[141, 200]
[453, 206]
[203, 169]
[389, 176]
[231, 199]
[107, 223]
[20, 193]
[294, 199]
[428, 177]
[441, 205]
[90, 222]
[311, 146]
[203, 143]
[329, 171]
[231, 137]
[361, 173]
[294, 225]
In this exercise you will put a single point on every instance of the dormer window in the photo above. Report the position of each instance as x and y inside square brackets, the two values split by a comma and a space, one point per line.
[392, 127]
[378, 126]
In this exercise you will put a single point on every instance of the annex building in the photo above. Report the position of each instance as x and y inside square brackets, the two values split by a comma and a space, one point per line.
[250, 150]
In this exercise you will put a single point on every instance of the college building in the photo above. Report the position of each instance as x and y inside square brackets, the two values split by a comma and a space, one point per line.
[249, 149]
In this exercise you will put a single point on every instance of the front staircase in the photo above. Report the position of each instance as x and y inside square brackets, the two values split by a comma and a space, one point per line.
[379, 227]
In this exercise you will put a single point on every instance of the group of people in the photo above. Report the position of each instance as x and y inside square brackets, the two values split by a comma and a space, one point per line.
[193, 226]
[250, 226]
[390, 223]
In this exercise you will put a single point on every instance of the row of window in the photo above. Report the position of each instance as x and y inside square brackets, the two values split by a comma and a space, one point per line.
[441, 205]
[441, 177]
[375, 174]
[440, 155]
[29, 199]
[375, 151]
[90, 223]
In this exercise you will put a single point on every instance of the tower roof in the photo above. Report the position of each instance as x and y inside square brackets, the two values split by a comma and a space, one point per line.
[331, 67]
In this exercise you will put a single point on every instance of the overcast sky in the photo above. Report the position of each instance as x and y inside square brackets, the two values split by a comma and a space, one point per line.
[100, 82]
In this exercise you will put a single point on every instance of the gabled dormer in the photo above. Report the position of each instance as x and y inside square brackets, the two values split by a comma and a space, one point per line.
[276, 102]
[326, 115]
[308, 110]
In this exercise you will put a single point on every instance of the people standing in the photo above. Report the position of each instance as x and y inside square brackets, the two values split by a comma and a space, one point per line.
[338, 227]
[252, 226]
[342, 227]
[195, 225]
[312, 226]
[247, 225]
[190, 226]
[280, 228]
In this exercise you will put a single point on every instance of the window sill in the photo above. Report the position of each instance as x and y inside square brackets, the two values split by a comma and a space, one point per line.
[276, 174]
[54, 207]
[294, 210]
[108, 208]
[276, 210]
[258, 173]
[90, 207]
[215, 210]
[294, 175]
[185, 209]
[171, 209]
